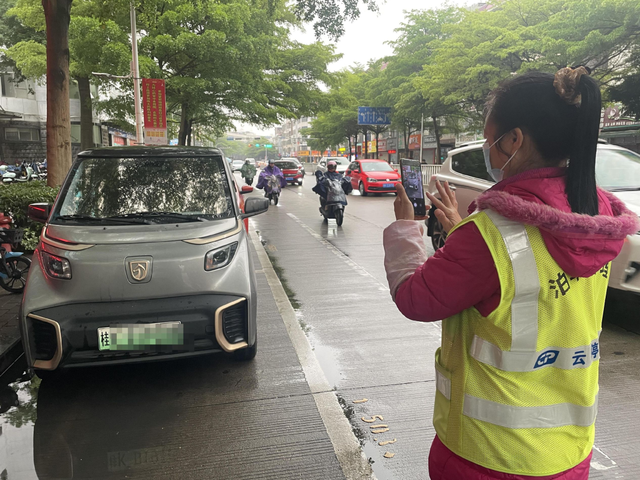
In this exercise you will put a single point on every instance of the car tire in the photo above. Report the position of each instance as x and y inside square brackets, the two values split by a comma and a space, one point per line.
[48, 374]
[246, 354]
[438, 235]
[300, 183]
[362, 190]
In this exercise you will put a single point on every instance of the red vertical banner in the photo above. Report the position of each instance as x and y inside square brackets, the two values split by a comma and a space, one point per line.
[155, 114]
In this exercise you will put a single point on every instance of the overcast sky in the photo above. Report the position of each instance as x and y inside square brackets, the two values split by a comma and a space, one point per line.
[364, 39]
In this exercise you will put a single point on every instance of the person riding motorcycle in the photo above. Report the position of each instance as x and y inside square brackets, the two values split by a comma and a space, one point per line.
[322, 185]
[248, 171]
[268, 171]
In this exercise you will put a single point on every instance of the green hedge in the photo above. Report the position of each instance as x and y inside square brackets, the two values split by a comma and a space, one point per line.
[15, 199]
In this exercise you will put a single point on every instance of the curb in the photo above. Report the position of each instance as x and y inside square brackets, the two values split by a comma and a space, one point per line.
[353, 462]
[10, 355]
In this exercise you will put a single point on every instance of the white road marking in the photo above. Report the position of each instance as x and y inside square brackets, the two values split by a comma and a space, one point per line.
[357, 268]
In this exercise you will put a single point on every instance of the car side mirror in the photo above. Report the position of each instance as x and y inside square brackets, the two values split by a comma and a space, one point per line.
[255, 206]
[39, 212]
[246, 189]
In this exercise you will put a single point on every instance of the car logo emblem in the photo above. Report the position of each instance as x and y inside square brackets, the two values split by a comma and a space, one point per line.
[139, 269]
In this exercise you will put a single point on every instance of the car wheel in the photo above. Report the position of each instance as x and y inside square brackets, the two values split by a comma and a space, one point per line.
[361, 189]
[246, 354]
[439, 236]
[300, 182]
[48, 374]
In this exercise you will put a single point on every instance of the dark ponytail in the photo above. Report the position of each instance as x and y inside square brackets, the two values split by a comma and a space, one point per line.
[561, 115]
[581, 176]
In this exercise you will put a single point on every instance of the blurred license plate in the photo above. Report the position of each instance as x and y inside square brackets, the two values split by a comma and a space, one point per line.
[289, 178]
[388, 185]
[140, 336]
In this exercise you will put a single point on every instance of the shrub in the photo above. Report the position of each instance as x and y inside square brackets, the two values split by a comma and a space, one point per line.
[15, 199]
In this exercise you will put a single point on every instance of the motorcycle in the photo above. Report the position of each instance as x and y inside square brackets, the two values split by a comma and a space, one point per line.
[272, 189]
[333, 206]
[8, 176]
[248, 180]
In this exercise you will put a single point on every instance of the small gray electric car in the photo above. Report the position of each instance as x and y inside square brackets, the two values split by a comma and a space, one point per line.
[144, 255]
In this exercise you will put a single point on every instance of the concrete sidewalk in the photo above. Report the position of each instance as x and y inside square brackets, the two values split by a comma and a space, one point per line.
[10, 346]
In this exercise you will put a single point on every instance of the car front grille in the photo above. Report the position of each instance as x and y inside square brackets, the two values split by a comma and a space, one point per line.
[45, 340]
[234, 323]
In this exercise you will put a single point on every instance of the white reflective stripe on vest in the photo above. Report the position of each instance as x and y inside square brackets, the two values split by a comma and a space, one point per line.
[564, 358]
[548, 416]
[524, 306]
[443, 384]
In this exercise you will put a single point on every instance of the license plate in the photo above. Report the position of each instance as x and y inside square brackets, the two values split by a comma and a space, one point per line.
[140, 336]
[289, 179]
[388, 185]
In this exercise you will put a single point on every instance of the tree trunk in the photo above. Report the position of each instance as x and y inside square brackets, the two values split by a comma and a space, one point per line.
[57, 16]
[377, 136]
[183, 133]
[349, 152]
[86, 113]
[365, 144]
[406, 142]
[436, 132]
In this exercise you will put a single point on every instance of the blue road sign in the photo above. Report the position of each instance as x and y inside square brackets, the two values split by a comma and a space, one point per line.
[374, 116]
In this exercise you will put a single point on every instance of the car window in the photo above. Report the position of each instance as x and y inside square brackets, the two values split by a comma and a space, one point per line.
[353, 166]
[618, 169]
[114, 187]
[287, 165]
[376, 167]
[471, 162]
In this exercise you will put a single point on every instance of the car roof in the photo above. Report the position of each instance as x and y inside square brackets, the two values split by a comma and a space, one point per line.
[372, 160]
[149, 151]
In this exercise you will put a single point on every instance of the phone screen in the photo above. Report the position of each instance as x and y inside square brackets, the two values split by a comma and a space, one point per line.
[412, 183]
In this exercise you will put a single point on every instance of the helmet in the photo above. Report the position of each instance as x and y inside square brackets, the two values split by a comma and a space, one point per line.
[271, 161]
[332, 164]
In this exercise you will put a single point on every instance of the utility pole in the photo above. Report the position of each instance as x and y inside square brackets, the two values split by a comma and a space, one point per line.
[421, 134]
[135, 73]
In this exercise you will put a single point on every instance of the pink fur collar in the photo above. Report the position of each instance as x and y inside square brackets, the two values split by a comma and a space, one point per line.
[623, 223]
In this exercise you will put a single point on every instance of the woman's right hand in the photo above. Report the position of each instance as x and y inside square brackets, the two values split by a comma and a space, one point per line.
[447, 207]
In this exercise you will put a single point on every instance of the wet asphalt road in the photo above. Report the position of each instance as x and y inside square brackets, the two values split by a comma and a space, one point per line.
[216, 418]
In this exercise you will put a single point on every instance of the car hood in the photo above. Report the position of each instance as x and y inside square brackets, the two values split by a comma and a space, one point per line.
[383, 175]
[122, 234]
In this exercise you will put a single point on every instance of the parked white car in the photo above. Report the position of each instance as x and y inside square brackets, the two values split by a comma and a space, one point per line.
[617, 170]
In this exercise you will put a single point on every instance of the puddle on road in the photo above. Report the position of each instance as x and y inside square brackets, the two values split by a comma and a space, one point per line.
[18, 402]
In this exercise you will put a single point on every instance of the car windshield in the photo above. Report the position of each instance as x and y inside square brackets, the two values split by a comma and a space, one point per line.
[287, 165]
[618, 170]
[376, 167]
[145, 190]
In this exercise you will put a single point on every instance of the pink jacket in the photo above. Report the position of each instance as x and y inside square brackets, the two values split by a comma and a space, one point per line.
[462, 274]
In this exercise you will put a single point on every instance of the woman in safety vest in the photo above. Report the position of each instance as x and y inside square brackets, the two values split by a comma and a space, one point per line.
[521, 285]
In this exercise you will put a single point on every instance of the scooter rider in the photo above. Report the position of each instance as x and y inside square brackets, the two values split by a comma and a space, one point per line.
[248, 171]
[331, 174]
[271, 169]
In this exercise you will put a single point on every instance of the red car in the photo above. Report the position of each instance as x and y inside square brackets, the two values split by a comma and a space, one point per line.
[292, 170]
[373, 176]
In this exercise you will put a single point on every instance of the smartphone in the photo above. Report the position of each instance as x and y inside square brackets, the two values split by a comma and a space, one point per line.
[412, 183]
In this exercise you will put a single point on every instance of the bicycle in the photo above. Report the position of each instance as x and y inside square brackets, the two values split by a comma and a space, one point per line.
[14, 266]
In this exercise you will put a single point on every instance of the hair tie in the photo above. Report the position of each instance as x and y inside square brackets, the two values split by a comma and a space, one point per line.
[566, 83]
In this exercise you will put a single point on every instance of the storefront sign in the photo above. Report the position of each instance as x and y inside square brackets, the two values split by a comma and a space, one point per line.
[303, 153]
[382, 145]
[391, 152]
[612, 117]
[155, 118]
[316, 153]
[371, 146]
[414, 141]
[392, 143]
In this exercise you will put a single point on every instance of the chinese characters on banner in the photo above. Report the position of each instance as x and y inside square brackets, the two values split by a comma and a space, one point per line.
[155, 117]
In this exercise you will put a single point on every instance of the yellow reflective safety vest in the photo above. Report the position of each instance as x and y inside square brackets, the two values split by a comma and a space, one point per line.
[517, 391]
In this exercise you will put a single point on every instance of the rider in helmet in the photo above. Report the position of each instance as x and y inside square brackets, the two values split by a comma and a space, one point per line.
[269, 170]
[331, 174]
[248, 171]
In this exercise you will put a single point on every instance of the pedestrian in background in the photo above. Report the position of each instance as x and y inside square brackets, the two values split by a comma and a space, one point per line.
[521, 285]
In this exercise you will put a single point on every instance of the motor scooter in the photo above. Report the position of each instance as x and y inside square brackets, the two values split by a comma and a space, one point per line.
[272, 189]
[333, 206]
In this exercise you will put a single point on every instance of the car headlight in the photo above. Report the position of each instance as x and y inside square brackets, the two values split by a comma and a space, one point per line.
[55, 267]
[372, 179]
[220, 257]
